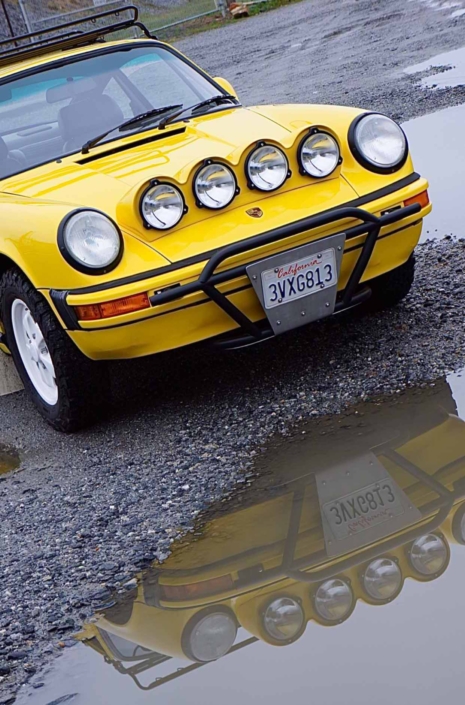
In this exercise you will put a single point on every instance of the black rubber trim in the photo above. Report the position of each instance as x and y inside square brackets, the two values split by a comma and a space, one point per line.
[172, 267]
[67, 256]
[130, 145]
[358, 154]
[65, 312]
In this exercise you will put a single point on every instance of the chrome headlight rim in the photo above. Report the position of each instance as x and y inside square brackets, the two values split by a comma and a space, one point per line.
[286, 641]
[211, 162]
[367, 596]
[422, 576]
[78, 264]
[362, 159]
[195, 620]
[254, 149]
[311, 133]
[319, 617]
[153, 184]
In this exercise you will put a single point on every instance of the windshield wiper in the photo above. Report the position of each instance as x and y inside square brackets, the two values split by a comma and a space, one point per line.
[155, 112]
[215, 100]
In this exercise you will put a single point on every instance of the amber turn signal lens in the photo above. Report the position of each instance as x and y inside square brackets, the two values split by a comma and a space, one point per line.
[94, 312]
[421, 198]
[193, 590]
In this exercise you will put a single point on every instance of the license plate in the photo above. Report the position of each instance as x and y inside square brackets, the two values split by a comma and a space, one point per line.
[363, 509]
[300, 285]
[360, 503]
[300, 278]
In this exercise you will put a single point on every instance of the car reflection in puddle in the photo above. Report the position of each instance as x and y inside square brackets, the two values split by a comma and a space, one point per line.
[353, 513]
[9, 459]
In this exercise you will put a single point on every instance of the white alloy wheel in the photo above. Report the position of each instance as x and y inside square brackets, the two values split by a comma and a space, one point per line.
[34, 352]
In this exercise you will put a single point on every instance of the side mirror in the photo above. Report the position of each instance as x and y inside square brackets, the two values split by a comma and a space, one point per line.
[226, 85]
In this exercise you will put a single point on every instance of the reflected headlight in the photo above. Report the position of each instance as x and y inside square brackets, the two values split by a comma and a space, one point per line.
[382, 579]
[162, 206]
[90, 241]
[215, 186]
[209, 637]
[378, 142]
[429, 555]
[267, 168]
[283, 619]
[318, 155]
[334, 600]
[458, 525]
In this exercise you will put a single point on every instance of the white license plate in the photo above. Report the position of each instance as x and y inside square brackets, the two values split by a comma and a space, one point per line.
[299, 278]
[363, 509]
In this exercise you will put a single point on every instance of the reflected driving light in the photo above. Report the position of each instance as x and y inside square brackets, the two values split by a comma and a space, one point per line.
[382, 579]
[284, 619]
[429, 555]
[211, 637]
[334, 600]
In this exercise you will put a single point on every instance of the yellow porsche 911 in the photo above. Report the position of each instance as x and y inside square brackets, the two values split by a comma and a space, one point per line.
[143, 208]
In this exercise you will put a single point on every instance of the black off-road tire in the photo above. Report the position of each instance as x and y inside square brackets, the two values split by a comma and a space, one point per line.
[390, 289]
[83, 385]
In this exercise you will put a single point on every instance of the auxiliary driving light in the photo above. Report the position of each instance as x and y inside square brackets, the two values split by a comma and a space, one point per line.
[429, 555]
[334, 600]
[284, 620]
[382, 579]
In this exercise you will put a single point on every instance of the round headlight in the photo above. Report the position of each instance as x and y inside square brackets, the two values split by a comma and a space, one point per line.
[210, 637]
[429, 555]
[382, 579]
[267, 168]
[319, 155]
[378, 142]
[283, 619]
[90, 241]
[334, 600]
[162, 206]
[215, 186]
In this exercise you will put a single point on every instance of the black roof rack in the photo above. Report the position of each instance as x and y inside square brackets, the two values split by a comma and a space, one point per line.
[69, 35]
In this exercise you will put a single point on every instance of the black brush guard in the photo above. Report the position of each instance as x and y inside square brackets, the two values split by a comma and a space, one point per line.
[249, 331]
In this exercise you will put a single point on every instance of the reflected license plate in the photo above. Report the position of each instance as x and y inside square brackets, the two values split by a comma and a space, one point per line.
[299, 278]
[363, 509]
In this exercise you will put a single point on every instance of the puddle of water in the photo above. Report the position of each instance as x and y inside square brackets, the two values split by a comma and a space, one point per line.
[9, 460]
[438, 148]
[455, 76]
[356, 524]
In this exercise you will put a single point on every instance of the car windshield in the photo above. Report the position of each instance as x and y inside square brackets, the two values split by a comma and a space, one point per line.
[52, 113]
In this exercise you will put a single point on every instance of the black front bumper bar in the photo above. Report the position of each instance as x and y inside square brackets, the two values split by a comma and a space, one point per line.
[209, 279]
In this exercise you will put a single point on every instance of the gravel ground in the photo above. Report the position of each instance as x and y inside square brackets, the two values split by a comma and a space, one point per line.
[83, 514]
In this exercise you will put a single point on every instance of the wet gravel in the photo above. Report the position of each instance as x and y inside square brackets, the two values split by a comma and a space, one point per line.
[83, 514]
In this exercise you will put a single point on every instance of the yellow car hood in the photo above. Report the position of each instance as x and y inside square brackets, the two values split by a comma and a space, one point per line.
[102, 177]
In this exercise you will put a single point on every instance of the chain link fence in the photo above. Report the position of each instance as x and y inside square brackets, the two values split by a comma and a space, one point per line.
[22, 16]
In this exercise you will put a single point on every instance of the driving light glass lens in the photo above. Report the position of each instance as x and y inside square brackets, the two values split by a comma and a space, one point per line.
[284, 619]
[92, 239]
[267, 168]
[334, 600]
[215, 186]
[319, 155]
[429, 555]
[212, 637]
[162, 206]
[382, 579]
[380, 141]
